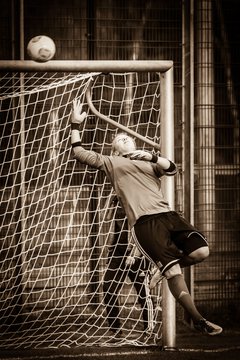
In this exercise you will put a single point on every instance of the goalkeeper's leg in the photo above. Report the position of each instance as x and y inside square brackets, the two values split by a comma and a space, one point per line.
[178, 288]
[139, 277]
[112, 284]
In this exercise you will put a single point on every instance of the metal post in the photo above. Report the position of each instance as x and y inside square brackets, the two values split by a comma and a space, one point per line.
[188, 126]
[167, 148]
[205, 118]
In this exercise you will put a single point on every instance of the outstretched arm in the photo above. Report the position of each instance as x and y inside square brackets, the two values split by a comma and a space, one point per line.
[87, 157]
[162, 163]
[77, 117]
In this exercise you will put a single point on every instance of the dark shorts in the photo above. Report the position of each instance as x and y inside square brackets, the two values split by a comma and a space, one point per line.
[165, 238]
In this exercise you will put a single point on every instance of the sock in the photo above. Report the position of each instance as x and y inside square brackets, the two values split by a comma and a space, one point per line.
[178, 288]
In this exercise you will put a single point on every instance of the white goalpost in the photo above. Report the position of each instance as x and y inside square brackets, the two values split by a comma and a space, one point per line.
[55, 227]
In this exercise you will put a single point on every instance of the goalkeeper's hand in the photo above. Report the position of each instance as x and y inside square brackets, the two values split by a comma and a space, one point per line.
[140, 155]
[77, 115]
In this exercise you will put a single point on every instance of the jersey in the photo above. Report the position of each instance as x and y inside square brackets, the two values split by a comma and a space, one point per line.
[137, 183]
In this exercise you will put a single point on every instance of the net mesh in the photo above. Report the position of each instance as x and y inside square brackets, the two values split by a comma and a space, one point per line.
[56, 232]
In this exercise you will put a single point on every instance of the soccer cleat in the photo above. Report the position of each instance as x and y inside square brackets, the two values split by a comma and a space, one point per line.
[206, 327]
[156, 278]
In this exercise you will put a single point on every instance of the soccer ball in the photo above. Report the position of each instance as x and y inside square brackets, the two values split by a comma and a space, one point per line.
[41, 48]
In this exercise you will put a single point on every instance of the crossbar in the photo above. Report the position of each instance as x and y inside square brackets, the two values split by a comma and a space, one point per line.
[87, 66]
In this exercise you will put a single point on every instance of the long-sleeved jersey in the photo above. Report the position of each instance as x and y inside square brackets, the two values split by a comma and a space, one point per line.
[137, 183]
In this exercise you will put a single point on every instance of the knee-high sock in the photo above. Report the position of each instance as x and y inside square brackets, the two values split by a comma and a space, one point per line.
[178, 288]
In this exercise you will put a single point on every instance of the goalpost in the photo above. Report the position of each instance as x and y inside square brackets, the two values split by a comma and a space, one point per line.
[54, 226]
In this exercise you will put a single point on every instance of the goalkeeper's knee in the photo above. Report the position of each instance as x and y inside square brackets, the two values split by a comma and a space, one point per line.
[200, 254]
[198, 249]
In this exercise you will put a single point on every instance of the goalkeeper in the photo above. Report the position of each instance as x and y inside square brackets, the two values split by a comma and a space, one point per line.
[123, 261]
[161, 234]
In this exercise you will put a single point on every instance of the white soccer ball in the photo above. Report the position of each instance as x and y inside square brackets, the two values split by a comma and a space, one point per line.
[41, 48]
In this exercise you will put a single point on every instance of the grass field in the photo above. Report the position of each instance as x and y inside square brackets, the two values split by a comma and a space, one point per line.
[190, 346]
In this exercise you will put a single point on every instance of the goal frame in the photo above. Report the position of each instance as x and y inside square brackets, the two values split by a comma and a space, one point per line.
[165, 70]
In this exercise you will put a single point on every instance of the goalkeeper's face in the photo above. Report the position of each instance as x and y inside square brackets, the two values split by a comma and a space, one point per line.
[123, 144]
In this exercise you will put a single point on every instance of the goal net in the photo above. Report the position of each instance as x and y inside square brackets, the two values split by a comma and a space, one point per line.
[59, 282]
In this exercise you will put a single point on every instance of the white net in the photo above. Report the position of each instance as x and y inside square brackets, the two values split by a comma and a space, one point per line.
[58, 281]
